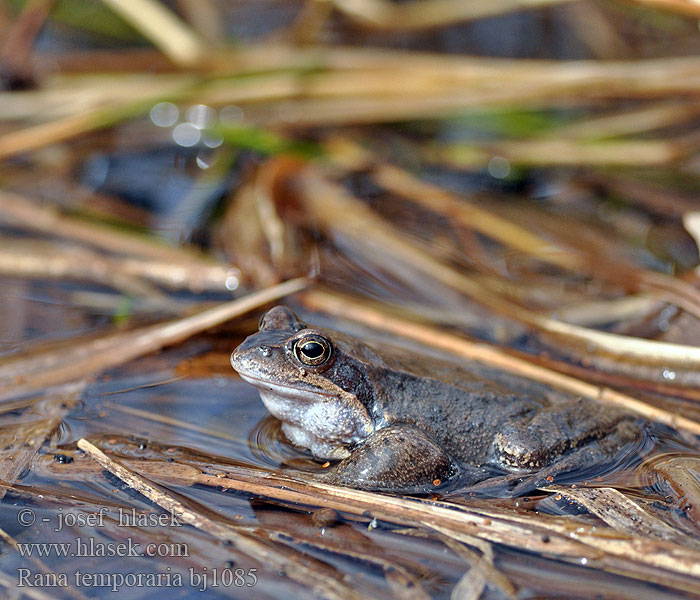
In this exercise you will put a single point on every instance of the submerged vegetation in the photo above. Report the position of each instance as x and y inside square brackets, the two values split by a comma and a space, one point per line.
[511, 182]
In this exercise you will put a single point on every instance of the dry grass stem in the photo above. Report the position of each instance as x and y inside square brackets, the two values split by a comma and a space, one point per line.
[464, 523]
[305, 572]
[206, 18]
[654, 198]
[21, 211]
[382, 14]
[43, 261]
[21, 375]
[621, 512]
[640, 78]
[646, 352]
[70, 95]
[471, 586]
[628, 122]
[344, 85]
[375, 237]
[27, 436]
[683, 7]
[563, 152]
[481, 570]
[601, 312]
[80, 122]
[162, 27]
[681, 474]
[470, 216]
[620, 548]
[38, 136]
[12, 542]
[16, 47]
[691, 222]
[489, 355]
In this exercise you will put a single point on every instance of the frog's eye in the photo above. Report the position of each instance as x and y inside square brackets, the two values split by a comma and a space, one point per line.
[312, 350]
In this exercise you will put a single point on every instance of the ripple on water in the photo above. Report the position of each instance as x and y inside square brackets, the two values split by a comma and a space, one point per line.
[269, 446]
[62, 434]
[629, 466]
[621, 465]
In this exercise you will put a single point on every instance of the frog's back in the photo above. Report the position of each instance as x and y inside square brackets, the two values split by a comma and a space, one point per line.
[461, 411]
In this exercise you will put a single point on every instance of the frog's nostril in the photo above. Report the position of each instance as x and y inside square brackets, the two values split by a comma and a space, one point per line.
[265, 351]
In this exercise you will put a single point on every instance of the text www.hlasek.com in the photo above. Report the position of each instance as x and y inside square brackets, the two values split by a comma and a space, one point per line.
[90, 548]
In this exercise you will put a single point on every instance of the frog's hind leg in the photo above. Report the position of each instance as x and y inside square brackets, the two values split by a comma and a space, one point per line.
[535, 442]
[594, 455]
[400, 458]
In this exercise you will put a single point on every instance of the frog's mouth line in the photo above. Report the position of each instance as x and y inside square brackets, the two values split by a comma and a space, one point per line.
[284, 390]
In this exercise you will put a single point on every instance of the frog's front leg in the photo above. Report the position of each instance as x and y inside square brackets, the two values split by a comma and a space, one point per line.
[399, 458]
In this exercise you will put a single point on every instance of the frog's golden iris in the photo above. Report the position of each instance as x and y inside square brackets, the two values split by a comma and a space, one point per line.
[313, 350]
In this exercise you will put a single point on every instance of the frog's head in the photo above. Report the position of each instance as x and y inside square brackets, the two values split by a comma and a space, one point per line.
[309, 378]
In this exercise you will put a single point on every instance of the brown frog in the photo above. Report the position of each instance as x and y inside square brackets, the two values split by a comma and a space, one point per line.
[404, 424]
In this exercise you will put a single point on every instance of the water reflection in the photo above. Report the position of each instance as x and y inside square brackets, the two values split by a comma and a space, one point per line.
[164, 114]
[269, 446]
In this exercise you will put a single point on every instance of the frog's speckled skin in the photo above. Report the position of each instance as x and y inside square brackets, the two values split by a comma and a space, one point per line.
[405, 424]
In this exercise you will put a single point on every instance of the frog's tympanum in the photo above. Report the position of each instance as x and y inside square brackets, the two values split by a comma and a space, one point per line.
[407, 425]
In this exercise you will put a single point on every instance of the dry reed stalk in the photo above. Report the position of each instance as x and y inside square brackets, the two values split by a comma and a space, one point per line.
[302, 569]
[342, 85]
[415, 15]
[65, 96]
[601, 312]
[683, 7]
[382, 14]
[548, 535]
[668, 562]
[489, 355]
[377, 240]
[29, 437]
[21, 211]
[163, 28]
[50, 261]
[16, 47]
[680, 472]
[70, 589]
[206, 18]
[563, 152]
[561, 253]
[621, 512]
[21, 375]
[467, 214]
[481, 570]
[104, 113]
[628, 122]
[652, 197]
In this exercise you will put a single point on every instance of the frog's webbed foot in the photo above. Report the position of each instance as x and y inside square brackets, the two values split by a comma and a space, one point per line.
[589, 460]
[400, 458]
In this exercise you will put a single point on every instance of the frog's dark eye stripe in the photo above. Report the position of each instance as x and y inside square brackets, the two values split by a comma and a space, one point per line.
[312, 350]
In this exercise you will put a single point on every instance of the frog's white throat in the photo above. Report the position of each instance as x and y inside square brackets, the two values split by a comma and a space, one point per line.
[326, 425]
